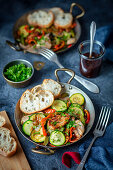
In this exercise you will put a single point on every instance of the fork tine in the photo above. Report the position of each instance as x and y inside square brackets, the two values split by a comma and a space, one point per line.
[103, 115]
[50, 51]
[99, 117]
[104, 120]
[107, 120]
[47, 51]
[45, 55]
[44, 52]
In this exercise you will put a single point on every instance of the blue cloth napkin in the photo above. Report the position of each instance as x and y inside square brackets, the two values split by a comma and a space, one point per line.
[101, 154]
[105, 36]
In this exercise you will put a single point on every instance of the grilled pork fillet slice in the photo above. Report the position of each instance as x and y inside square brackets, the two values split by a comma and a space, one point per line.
[58, 121]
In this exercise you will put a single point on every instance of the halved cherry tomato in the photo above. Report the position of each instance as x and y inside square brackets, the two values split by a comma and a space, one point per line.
[87, 115]
[60, 46]
[49, 111]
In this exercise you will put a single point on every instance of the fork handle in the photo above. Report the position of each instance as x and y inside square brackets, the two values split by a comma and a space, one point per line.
[83, 161]
[87, 84]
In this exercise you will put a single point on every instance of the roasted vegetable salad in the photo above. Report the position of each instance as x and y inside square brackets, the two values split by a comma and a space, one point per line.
[52, 38]
[61, 124]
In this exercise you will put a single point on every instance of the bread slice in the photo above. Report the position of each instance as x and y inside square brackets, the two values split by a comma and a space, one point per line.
[63, 20]
[41, 18]
[53, 86]
[56, 11]
[48, 84]
[8, 145]
[2, 121]
[37, 88]
[32, 103]
[28, 104]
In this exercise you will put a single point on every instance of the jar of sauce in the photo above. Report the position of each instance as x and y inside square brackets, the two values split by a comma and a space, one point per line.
[90, 65]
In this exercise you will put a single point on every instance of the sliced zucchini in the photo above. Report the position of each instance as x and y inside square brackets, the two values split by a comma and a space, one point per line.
[77, 110]
[37, 116]
[37, 135]
[77, 98]
[57, 138]
[51, 130]
[23, 31]
[27, 127]
[59, 105]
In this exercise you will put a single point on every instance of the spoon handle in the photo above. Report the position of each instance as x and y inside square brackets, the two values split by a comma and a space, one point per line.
[92, 35]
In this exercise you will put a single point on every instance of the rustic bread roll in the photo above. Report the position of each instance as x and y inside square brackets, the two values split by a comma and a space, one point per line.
[8, 144]
[2, 121]
[32, 103]
[63, 20]
[56, 11]
[41, 18]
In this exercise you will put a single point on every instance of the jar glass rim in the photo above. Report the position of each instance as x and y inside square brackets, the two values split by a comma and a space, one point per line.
[88, 42]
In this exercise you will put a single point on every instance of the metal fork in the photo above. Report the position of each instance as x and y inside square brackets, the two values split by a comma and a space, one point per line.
[98, 132]
[50, 55]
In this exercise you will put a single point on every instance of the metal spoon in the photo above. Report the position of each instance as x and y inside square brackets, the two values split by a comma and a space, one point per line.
[92, 35]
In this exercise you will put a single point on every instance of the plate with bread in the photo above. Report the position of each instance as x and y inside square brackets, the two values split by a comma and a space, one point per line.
[52, 28]
[53, 115]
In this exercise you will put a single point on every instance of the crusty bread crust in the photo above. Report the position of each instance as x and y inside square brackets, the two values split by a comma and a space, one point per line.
[38, 21]
[56, 11]
[47, 83]
[63, 20]
[2, 121]
[12, 140]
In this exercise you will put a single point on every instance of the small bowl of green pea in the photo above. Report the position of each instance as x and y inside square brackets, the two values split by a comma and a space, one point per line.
[18, 73]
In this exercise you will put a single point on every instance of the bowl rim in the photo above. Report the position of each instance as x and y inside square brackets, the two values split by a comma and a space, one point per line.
[18, 82]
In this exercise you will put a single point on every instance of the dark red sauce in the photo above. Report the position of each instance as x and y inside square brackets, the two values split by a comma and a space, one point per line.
[90, 68]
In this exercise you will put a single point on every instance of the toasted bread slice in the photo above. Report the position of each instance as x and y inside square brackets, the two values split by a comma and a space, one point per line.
[63, 20]
[41, 18]
[8, 145]
[56, 11]
[32, 103]
[2, 121]
[53, 86]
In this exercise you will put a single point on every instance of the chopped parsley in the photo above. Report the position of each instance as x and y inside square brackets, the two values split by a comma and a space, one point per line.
[18, 72]
[71, 124]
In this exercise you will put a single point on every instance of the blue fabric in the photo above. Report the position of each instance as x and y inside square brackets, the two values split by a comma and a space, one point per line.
[105, 35]
[101, 155]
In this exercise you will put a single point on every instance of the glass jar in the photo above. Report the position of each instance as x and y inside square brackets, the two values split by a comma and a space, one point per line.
[90, 65]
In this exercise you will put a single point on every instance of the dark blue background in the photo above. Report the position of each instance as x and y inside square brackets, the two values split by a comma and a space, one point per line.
[101, 11]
